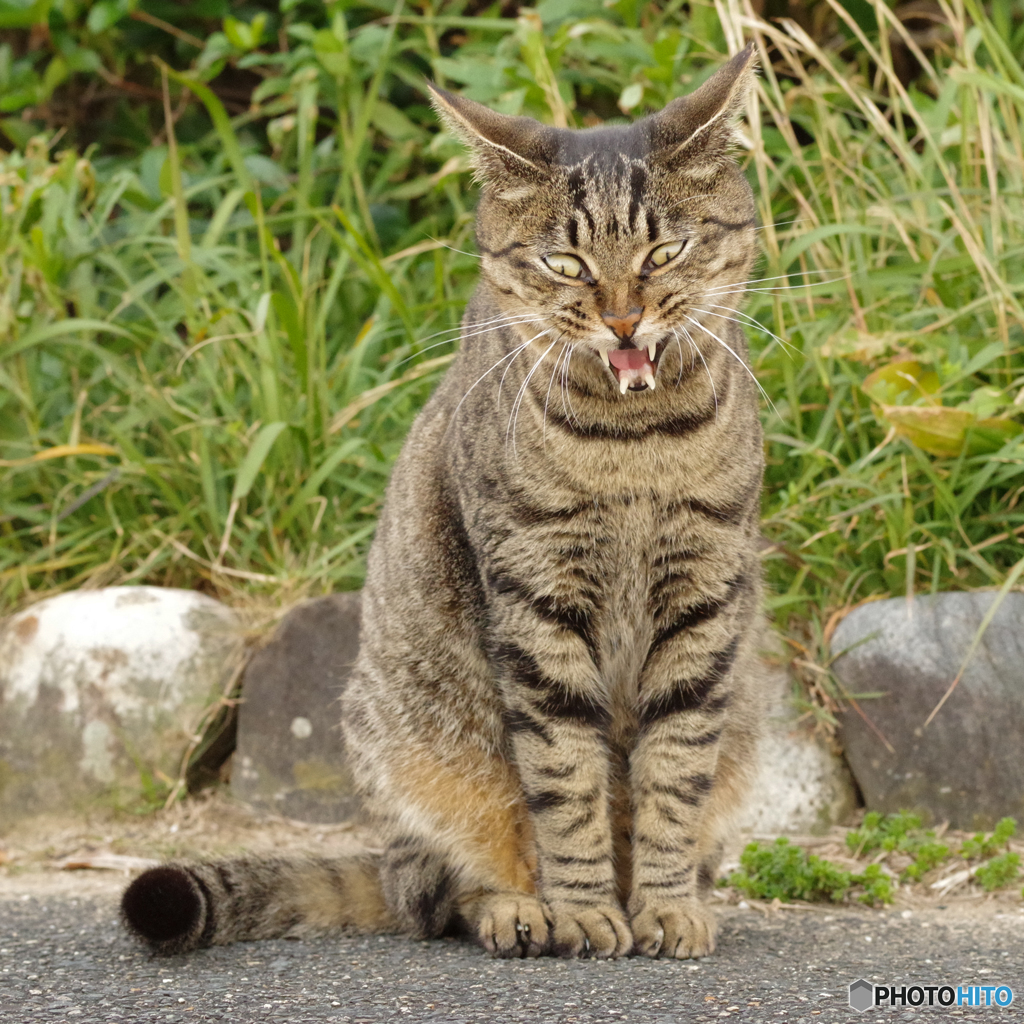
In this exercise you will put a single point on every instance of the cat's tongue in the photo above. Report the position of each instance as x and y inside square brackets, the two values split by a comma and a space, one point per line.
[632, 366]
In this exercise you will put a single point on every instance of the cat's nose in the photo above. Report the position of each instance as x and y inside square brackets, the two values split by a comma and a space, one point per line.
[623, 326]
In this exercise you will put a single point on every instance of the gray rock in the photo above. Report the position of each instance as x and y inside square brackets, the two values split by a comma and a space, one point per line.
[801, 786]
[290, 756]
[101, 688]
[966, 766]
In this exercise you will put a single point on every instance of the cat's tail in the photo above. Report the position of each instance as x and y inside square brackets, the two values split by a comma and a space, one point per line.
[181, 906]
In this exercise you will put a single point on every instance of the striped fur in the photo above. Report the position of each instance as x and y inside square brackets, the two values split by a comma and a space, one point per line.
[555, 708]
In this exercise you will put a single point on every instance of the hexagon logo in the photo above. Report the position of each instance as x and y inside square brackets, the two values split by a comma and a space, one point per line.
[861, 995]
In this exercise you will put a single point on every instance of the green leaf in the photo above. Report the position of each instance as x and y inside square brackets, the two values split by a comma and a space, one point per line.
[288, 316]
[105, 14]
[393, 123]
[61, 328]
[238, 33]
[254, 459]
[222, 125]
[56, 72]
[332, 53]
[244, 36]
[988, 436]
[900, 383]
[18, 131]
[631, 96]
[935, 429]
[23, 13]
[266, 172]
[863, 13]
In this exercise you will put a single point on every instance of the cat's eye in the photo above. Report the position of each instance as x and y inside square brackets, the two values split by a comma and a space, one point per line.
[564, 264]
[665, 253]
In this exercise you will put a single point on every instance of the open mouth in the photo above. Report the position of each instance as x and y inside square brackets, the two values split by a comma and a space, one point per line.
[634, 368]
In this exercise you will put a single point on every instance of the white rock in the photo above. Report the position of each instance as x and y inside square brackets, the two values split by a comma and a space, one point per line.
[801, 786]
[99, 686]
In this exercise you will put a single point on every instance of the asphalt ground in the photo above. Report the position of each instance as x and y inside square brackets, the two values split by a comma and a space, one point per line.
[64, 957]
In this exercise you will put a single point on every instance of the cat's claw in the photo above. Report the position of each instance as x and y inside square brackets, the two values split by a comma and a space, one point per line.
[680, 930]
[582, 931]
[513, 925]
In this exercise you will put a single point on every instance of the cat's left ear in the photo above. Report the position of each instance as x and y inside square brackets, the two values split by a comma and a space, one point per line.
[510, 154]
[701, 127]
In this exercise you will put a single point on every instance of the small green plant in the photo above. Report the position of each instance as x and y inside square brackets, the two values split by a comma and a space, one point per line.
[787, 872]
[877, 885]
[980, 846]
[929, 854]
[999, 872]
[900, 832]
[892, 832]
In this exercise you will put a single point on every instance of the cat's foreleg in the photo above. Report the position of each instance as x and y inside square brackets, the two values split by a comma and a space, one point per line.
[672, 775]
[557, 733]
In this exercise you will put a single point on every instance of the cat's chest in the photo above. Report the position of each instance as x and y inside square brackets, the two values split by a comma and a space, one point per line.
[598, 563]
[627, 556]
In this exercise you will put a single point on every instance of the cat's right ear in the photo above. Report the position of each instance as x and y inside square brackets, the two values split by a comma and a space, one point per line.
[510, 154]
[699, 129]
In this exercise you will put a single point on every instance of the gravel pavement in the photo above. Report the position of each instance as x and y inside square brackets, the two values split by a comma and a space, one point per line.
[63, 956]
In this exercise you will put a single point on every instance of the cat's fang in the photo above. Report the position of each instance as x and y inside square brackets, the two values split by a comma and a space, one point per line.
[632, 367]
[652, 352]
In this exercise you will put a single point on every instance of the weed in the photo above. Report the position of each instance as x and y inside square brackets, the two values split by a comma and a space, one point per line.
[785, 871]
[891, 832]
[876, 883]
[900, 832]
[980, 846]
[998, 872]
[927, 856]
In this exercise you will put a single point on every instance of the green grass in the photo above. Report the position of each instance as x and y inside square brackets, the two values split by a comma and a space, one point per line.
[784, 871]
[917, 224]
[894, 850]
[900, 833]
[211, 350]
[999, 872]
[980, 845]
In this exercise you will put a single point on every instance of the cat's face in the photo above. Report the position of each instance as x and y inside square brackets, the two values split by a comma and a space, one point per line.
[623, 243]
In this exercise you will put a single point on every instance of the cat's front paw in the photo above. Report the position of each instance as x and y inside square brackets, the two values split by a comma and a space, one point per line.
[512, 924]
[598, 930]
[680, 929]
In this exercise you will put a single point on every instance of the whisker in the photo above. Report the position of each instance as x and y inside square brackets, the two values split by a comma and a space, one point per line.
[707, 369]
[735, 356]
[445, 245]
[679, 345]
[570, 412]
[745, 290]
[501, 383]
[513, 420]
[547, 397]
[785, 277]
[780, 223]
[510, 323]
[507, 355]
[506, 319]
[750, 322]
[747, 285]
[429, 348]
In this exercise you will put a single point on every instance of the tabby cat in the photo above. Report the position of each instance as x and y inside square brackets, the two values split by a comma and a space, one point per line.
[555, 708]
